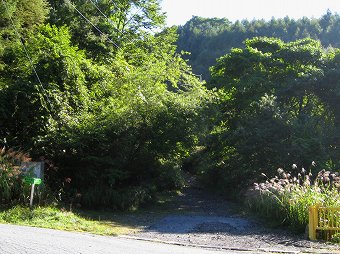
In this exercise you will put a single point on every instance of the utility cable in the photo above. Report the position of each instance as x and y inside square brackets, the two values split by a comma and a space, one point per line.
[102, 13]
[102, 33]
[110, 21]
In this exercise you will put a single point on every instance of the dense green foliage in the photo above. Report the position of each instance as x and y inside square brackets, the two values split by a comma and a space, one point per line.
[209, 38]
[109, 104]
[277, 106]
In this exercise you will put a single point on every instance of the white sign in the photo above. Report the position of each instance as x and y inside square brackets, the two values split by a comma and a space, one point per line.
[33, 169]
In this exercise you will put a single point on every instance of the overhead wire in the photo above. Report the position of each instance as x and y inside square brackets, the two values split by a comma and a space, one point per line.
[89, 21]
[104, 15]
[108, 19]
[28, 56]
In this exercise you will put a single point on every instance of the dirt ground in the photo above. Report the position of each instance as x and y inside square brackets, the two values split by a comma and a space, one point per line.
[201, 219]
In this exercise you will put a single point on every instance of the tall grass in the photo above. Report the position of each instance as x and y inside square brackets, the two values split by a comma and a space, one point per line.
[285, 199]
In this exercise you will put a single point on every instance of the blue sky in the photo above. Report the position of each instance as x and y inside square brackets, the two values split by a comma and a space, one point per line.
[180, 11]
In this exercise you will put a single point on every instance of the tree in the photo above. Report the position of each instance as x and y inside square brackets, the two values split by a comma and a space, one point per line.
[208, 39]
[118, 121]
[24, 15]
[272, 114]
[101, 27]
[61, 88]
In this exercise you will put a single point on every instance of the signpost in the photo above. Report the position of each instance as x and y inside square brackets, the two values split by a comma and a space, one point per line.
[33, 172]
[32, 181]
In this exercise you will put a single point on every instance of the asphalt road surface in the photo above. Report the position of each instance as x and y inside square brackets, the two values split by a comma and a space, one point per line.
[29, 240]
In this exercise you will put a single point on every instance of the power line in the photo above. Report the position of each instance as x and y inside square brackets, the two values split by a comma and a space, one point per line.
[102, 33]
[102, 13]
[110, 21]
[28, 56]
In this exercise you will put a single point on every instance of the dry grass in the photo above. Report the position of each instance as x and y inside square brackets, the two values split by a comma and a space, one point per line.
[285, 199]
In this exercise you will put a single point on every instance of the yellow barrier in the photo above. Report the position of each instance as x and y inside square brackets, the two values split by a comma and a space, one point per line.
[323, 218]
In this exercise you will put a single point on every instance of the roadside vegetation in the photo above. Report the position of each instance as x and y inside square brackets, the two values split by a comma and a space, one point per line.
[285, 199]
[55, 218]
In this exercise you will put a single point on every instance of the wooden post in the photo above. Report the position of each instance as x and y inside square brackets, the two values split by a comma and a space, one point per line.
[313, 220]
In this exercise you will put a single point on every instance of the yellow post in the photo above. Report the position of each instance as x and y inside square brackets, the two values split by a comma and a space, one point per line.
[313, 220]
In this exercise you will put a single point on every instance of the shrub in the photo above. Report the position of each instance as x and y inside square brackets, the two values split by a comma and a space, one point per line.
[170, 176]
[11, 187]
[285, 199]
[122, 199]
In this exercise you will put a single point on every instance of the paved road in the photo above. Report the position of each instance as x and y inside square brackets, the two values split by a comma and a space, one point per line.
[29, 240]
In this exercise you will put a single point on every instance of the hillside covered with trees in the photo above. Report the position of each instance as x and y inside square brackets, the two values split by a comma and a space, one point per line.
[209, 38]
[92, 90]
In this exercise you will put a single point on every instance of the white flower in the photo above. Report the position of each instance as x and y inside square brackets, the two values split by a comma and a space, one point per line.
[294, 166]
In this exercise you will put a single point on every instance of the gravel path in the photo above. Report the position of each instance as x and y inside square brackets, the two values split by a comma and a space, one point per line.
[205, 220]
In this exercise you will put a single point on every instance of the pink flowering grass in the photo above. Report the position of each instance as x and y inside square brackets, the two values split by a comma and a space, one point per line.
[285, 198]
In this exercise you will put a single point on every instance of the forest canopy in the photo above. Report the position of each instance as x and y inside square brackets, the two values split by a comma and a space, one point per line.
[209, 38]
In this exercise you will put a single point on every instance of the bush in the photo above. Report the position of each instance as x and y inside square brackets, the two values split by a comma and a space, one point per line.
[285, 199]
[170, 176]
[11, 186]
[123, 199]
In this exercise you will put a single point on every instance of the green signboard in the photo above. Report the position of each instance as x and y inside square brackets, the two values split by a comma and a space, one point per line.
[32, 180]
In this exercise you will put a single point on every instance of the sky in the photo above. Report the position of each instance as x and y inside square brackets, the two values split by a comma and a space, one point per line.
[180, 11]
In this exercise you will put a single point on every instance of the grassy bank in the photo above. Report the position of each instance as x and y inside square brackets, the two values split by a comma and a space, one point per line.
[91, 221]
[54, 218]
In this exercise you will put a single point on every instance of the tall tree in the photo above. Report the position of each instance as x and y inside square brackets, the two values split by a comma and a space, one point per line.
[271, 111]
[103, 26]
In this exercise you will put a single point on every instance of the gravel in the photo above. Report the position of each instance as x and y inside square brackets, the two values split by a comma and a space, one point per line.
[206, 220]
